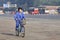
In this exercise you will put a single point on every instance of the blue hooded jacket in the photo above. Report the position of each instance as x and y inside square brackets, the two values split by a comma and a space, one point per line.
[19, 16]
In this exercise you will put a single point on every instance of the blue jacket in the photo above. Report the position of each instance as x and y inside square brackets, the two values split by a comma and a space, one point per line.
[19, 16]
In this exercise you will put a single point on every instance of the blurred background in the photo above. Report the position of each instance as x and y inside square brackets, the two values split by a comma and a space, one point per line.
[30, 6]
[42, 19]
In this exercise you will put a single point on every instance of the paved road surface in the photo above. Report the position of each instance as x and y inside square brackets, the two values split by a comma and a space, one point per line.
[38, 27]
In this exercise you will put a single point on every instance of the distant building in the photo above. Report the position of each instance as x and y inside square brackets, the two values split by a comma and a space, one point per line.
[51, 9]
[8, 5]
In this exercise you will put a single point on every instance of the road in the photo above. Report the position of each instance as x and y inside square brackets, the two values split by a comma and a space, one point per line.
[38, 27]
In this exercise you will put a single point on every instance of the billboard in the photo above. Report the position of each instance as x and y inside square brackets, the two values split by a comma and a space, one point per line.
[9, 5]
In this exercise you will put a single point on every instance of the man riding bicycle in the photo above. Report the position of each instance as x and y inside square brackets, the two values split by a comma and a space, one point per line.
[19, 16]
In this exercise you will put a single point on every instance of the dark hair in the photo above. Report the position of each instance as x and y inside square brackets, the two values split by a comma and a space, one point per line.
[20, 8]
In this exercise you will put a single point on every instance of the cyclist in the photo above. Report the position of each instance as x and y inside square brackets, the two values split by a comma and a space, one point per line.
[19, 16]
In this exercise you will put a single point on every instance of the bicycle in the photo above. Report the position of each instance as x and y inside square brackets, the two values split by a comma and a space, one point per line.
[18, 31]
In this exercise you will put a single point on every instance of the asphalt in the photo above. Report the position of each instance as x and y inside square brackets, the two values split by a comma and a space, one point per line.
[38, 27]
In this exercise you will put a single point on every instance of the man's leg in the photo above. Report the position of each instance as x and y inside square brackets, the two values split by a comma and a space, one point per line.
[17, 25]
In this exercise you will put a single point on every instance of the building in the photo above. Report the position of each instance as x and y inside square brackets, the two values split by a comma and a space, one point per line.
[51, 9]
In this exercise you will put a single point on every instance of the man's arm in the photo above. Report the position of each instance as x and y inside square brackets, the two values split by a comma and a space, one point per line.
[24, 20]
[15, 17]
[24, 17]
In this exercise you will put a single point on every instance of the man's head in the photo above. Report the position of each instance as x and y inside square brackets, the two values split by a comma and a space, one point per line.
[20, 9]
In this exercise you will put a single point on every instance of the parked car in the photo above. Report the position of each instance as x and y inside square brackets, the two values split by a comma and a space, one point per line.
[33, 11]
